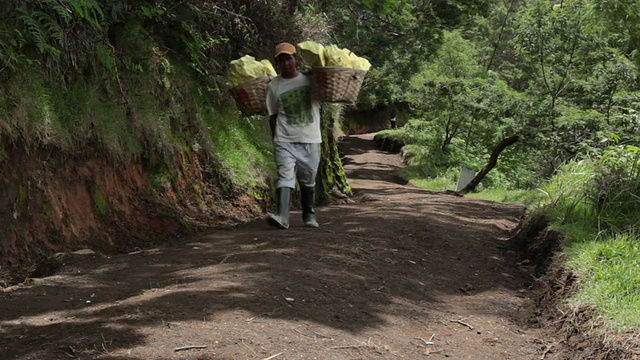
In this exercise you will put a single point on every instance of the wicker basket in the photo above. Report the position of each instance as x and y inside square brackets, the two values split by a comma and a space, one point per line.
[251, 96]
[337, 84]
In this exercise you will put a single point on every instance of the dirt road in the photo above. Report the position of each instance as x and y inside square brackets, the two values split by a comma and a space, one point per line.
[401, 273]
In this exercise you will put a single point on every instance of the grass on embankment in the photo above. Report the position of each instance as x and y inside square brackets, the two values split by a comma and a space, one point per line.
[609, 272]
[180, 119]
[601, 246]
[527, 197]
[596, 205]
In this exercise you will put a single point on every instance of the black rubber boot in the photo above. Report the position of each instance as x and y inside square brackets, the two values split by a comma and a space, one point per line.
[307, 194]
[281, 219]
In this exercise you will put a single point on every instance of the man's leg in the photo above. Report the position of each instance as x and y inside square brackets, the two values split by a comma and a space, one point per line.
[281, 218]
[285, 162]
[308, 161]
[308, 203]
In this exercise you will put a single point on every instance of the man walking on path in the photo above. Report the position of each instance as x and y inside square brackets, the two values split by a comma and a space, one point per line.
[294, 119]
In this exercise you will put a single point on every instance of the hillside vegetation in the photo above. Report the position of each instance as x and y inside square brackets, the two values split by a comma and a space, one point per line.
[116, 125]
[117, 129]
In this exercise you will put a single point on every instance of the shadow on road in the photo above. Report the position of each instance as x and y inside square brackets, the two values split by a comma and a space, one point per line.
[400, 253]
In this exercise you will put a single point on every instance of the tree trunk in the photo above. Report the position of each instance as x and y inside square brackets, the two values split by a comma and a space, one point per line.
[493, 160]
[331, 172]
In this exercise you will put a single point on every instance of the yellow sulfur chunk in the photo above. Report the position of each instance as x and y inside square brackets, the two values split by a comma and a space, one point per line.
[336, 57]
[247, 68]
[359, 63]
[312, 53]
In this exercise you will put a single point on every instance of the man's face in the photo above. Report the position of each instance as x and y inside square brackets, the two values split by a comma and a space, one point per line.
[287, 65]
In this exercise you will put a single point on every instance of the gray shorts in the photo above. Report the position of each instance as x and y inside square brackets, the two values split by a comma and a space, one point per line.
[297, 161]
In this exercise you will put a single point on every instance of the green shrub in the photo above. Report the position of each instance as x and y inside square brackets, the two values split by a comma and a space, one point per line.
[566, 193]
[242, 146]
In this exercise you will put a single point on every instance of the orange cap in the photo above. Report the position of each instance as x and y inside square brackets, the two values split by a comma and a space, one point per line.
[285, 48]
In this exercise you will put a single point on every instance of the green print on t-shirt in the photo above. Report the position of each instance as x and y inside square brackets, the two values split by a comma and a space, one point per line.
[297, 106]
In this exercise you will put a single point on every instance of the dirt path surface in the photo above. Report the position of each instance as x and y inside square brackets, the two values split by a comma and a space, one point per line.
[401, 273]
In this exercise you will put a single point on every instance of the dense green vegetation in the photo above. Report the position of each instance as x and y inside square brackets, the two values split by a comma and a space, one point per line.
[144, 80]
[133, 80]
[563, 78]
[595, 203]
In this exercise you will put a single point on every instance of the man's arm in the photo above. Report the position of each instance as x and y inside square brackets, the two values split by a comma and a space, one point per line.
[272, 125]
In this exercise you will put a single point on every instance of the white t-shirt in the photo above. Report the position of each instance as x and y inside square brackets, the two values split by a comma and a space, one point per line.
[298, 117]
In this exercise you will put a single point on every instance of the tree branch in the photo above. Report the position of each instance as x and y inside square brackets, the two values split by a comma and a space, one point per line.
[493, 160]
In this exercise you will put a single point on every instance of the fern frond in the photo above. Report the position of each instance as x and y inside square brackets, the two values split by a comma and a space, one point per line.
[60, 9]
[42, 27]
[88, 10]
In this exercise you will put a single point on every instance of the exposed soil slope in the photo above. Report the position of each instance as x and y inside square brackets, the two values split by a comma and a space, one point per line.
[54, 202]
[397, 273]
